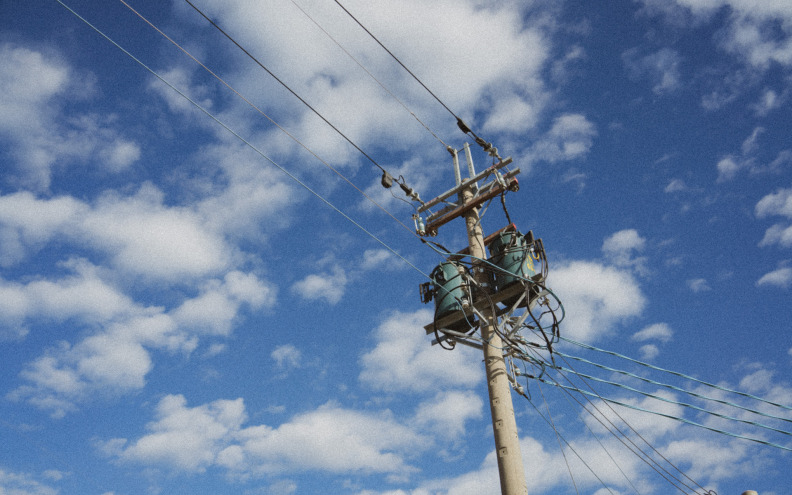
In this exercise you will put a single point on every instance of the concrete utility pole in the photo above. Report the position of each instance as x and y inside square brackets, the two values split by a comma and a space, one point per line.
[470, 198]
[507, 442]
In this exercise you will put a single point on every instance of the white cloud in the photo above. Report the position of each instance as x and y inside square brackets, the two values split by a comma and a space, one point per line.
[427, 44]
[120, 154]
[286, 356]
[658, 331]
[728, 168]
[329, 287]
[781, 277]
[768, 101]
[676, 185]
[747, 33]
[34, 85]
[379, 259]
[619, 248]
[649, 352]
[777, 203]
[404, 359]
[596, 297]
[661, 67]
[449, 411]
[183, 438]
[12, 483]
[117, 359]
[148, 238]
[698, 285]
[570, 137]
[27, 223]
[330, 438]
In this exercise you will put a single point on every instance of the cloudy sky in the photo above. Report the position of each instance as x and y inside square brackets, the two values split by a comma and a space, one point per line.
[204, 289]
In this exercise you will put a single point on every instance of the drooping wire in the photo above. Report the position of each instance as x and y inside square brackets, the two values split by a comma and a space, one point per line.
[460, 123]
[669, 416]
[264, 114]
[623, 437]
[558, 439]
[676, 373]
[683, 420]
[246, 142]
[664, 399]
[599, 441]
[369, 73]
[641, 436]
[675, 388]
[316, 112]
[569, 445]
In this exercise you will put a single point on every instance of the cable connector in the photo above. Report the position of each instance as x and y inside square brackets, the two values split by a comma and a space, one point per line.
[387, 180]
[410, 192]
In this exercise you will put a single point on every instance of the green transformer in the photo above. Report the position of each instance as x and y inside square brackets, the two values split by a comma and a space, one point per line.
[512, 254]
[450, 288]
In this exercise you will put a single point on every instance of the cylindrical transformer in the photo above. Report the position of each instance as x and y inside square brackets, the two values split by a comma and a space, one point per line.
[449, 287]
[511, 253]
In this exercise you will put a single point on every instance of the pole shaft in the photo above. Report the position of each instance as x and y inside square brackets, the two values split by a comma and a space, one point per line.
[507, 445]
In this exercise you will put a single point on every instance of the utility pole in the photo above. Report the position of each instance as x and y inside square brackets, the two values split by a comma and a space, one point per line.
[470, 197]
[504, 426]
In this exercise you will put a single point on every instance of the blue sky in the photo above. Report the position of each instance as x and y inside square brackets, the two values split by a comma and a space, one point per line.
[178, 315]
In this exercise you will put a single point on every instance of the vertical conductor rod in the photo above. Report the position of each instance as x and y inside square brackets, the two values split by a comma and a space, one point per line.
[469, 157]
[457, 173]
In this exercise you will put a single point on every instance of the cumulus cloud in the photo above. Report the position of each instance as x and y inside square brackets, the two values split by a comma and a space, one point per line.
[286, 356]
[781, 277]
[330, 438]
[34, 86]
[403, 359]
[649, 352]
[658, 331]
[570, 137]
[778, 203]
[748, 32]
[329, 286]
[117, 359]
[596, 298]
[183, 438]
[661, 67]
[620, 247]
[449, 411]
[15, 483]
[698, 285]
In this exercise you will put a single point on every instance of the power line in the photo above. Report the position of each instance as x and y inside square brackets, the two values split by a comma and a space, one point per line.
[622, 437]
[252, 105]
[368, 72]
[460, 123]
[672, 387]
[669, 416]
[246, 142]
[316, 112]
[664, 399]
[676, 373]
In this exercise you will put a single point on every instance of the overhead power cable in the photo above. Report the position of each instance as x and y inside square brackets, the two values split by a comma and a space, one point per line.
[623, 437]
[460, 123]
[245, 141]
[316, 112]
[678, 403]
[316, 23]
[252, 105]
[676, 373]
[664, 415]
[672, 387]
